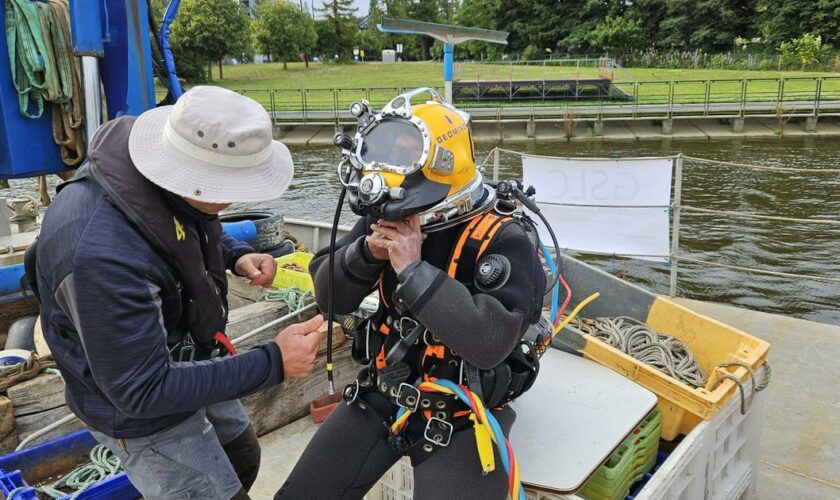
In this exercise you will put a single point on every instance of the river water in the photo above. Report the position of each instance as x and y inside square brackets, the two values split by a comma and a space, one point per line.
[779, 246]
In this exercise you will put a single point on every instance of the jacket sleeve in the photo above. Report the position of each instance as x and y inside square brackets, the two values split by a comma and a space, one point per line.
[356, 270]
[482, 327]
[232, 249]
[113, 299]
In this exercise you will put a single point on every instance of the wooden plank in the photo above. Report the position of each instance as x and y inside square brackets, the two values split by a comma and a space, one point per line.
[235, 302]
[276, 406]
[9, 259]
[247, 318]
[338, 337]
[239, 286]
[28, 424]
[8, 430]
[12, 310]
[42, 393]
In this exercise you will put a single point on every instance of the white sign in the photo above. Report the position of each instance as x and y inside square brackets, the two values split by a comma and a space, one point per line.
[617, 182]
[606, 206]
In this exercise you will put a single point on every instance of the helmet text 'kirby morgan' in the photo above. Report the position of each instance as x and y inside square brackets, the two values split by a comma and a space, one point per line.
[413, 159]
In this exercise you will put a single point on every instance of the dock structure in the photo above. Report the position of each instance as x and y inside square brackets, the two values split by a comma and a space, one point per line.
[476, 91]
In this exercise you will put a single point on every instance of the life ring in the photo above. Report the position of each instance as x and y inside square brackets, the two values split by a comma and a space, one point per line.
[270, 233]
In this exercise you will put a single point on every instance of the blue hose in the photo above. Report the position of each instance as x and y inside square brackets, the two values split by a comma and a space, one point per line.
[166, 49]
[555, 293]
[494, 424]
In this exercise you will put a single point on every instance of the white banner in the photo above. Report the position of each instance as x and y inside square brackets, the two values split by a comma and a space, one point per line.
[619, 182]
[631, 201]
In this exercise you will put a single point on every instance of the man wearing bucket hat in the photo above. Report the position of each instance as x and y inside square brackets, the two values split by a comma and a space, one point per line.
[130, 269]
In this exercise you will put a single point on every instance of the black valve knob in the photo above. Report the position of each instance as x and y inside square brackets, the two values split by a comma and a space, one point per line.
[343, 141]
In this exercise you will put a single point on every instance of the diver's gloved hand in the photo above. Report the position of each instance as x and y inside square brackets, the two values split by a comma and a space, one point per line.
[401, 239]
[260, 268]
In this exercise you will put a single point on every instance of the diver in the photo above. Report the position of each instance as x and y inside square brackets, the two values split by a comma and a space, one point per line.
[459, 281]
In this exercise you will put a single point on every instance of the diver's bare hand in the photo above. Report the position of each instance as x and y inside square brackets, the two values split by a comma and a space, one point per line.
[378, 252]
[402, 240]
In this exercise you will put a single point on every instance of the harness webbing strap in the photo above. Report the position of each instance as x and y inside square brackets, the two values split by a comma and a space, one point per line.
[453, 261]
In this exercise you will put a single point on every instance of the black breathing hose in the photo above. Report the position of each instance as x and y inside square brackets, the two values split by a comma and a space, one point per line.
[331, 285]
[532, 206]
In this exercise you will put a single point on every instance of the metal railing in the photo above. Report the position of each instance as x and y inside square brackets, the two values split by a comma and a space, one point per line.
[676, 99]
[678, 208]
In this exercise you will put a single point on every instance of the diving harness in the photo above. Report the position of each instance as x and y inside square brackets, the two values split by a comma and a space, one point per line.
[460, 394]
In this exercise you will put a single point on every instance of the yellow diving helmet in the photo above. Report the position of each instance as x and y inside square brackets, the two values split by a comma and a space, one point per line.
[413, 159]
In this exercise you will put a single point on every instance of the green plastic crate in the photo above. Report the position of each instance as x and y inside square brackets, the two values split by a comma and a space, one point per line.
[634, 457]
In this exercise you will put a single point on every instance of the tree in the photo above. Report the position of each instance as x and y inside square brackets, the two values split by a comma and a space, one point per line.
[708, 25]
[208, 30]
[340, 17]
[780, 21]
[617, 35]
[283, 31]
[369, 38]
[479, 14]
[805, 49]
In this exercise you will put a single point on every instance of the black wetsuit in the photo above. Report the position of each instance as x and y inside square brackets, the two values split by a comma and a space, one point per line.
[351, 450]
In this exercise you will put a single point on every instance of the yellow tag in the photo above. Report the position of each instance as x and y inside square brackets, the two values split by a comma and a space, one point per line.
[329, 366]
[485, 446]
[180, 234]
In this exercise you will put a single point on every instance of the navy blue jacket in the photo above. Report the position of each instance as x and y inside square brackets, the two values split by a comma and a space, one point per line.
[111, 311]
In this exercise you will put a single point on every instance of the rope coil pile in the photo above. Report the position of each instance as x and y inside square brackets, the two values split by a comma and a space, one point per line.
[103, 465]
[294, 297]
[667, 354]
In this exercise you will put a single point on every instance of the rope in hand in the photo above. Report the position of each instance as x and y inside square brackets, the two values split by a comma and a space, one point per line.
[667, 354]
[293, 296]
[103, 465]
[481, 418]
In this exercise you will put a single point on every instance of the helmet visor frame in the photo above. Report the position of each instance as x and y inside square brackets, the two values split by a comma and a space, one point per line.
[393, 144]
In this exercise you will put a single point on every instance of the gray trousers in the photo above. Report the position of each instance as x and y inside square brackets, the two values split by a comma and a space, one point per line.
[188, 460]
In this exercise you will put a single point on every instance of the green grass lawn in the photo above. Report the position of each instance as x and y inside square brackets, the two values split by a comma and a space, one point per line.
[297, 86]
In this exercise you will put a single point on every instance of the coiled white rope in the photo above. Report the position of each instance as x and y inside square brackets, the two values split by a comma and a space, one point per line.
[667, 354]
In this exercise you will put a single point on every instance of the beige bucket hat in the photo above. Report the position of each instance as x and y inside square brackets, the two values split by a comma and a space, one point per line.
[213, 145]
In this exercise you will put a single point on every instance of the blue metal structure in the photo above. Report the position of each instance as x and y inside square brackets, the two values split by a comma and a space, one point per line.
[116, 31]
[166, 49]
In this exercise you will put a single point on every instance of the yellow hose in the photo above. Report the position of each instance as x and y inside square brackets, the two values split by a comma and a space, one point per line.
[575, 311]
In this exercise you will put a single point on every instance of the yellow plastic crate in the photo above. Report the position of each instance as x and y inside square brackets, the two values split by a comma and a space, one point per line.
[711, 342]
[287, 278]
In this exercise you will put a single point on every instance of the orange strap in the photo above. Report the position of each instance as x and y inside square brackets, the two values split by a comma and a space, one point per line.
[453, 262]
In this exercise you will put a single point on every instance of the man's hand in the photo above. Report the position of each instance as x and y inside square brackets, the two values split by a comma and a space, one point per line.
[258, 267]
[298, 345]
[401, 239]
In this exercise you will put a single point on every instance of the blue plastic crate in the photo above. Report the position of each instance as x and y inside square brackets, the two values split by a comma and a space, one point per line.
[74, 448]
[10, 481]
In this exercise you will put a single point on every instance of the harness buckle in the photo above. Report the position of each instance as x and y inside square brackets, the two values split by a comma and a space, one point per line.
[405, 331]
[351, 392]
[185, 349]
[440, 433]
[430, 340]
[410, 401]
